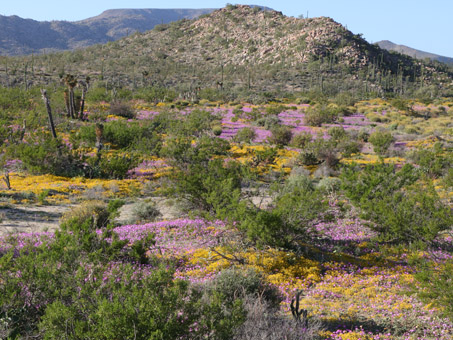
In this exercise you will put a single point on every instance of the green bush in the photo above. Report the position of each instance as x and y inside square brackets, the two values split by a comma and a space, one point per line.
[301, 140]
[46, 155]
[436, 285]
[196, 123]
[115, 167]
[84, 284]
[297, 205]
[94, 214]
[200, 178]
[236, 283]
[245, 135]
[274, 110]
[434, 162]
[381, 141]
[308, 157]
[139, 136]
[402, 210]
[98, 94]
[268, 122]
[217, 130]
[281, 135]
[320, 114]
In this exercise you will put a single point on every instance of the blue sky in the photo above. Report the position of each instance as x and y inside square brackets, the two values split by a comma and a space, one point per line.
[422, 24]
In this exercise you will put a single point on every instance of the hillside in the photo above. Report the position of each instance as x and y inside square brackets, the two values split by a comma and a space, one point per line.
[237, 47]
[390, 46]
[25, 36]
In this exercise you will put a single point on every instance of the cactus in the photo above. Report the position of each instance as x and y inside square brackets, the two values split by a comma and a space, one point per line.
[299, 312]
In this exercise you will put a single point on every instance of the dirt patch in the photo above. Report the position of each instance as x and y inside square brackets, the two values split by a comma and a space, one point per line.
[26, 219]
[168, 210]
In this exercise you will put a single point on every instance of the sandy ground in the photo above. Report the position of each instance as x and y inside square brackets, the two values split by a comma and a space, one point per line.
[27, 219]
[16, 218]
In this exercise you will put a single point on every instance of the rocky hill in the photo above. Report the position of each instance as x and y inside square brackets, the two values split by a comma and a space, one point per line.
[25, 36]
[237, 47]
[390, 46]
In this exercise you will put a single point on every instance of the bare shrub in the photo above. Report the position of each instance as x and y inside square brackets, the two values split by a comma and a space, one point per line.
[146, 212]
[122, 109]
[266, 323]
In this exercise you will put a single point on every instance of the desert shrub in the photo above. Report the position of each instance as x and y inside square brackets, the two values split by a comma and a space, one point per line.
[296, 207]
[113, 207]
[308, 157]
[329, 184]
[96, 193]
[274, 110]
[320, 114]
[140, 136]
[268, 122]
[337, 133]
[217, 130]
[345, 99]
[196, 123]
[436, 285]
[236, 283]
[401, 104]
[281, 135]
[123, 315]
[98, 94]
[155, 94]
[402, 210]
[121, 134]
[245, 135]
[448, 178]
[262, 322]
[381, 141]
[363, 136]
[206, 182]
[301, 140]
[115, 167]
[95, 213]
[434, 162]
[146, 212]
[83, 283]
[211, 94]
[265, 157]
[122, 109]
[46, 155]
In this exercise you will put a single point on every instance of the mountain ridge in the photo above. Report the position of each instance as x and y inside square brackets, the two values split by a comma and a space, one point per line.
[412, 52]
[19, 36]
[240, 48]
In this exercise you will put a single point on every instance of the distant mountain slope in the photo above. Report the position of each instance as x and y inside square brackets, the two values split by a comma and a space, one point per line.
[390, 46]
[25, 36]
[236, 47]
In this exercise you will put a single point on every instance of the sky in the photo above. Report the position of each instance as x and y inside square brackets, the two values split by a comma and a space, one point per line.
[422, 24]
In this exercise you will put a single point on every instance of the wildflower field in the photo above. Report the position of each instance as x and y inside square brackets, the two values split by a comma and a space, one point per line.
[343, 211]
